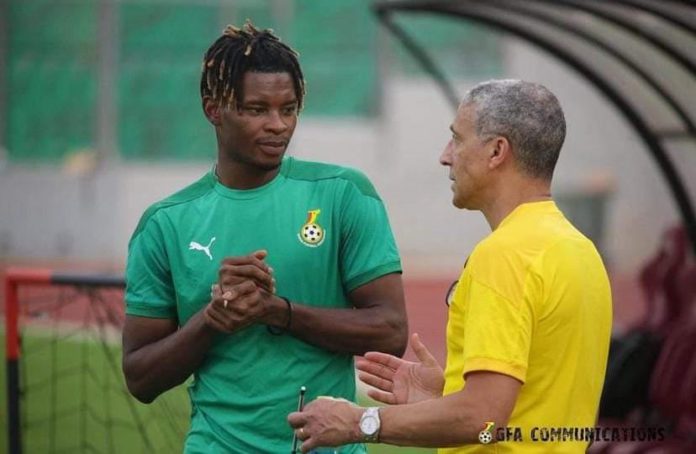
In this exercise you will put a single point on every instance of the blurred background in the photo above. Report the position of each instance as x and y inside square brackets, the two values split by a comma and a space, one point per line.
[100, 117]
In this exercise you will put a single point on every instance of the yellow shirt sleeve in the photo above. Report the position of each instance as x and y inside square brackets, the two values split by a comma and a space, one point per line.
[497, 332]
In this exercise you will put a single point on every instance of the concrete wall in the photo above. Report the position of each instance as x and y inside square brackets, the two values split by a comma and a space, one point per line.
[48, 213]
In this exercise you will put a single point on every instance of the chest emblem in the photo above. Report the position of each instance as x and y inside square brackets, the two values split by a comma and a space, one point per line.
[194, 246]
[311, 233]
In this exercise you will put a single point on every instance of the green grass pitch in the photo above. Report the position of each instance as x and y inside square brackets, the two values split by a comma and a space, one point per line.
[70, 413]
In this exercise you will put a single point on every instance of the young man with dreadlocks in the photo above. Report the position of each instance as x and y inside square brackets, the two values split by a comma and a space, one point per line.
[267, 274]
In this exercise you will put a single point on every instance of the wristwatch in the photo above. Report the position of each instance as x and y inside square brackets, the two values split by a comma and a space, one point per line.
[370, 425]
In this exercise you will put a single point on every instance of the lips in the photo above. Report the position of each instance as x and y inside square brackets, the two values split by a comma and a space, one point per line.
[272, 146]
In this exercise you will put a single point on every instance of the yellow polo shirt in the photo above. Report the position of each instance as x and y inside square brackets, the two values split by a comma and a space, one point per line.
[534, 303]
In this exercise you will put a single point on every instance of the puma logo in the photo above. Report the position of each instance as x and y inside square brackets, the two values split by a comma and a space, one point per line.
[193, 246]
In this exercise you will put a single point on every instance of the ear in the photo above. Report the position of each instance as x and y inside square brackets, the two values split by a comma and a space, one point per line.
[212, 110]
[500, 152]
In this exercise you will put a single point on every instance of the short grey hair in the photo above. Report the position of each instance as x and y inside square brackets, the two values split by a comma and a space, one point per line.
[525, 113]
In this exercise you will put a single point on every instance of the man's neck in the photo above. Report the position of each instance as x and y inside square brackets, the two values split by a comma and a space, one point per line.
[510, 196]
[239, 175]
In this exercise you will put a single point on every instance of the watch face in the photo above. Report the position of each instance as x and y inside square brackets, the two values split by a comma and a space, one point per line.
[369, 425]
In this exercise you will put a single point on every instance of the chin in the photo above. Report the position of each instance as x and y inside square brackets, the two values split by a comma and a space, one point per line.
[456, 201]
[460, 203]
[269, 163]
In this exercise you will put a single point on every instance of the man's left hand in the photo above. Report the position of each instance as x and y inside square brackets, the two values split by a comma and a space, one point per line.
[327, 422]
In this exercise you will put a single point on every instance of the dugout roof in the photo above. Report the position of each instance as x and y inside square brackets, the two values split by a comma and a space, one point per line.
[640, 54]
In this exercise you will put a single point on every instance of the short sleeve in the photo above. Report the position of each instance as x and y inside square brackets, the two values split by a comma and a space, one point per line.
[497, 332]
[368, 249]
[149, 288]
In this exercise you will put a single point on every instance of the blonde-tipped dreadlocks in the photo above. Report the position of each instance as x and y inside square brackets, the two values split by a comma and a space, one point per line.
[240, 50]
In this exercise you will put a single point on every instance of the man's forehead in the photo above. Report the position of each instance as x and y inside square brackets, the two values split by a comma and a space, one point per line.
[465, 115]
[259, 85]
[466, 110]
[261, 77]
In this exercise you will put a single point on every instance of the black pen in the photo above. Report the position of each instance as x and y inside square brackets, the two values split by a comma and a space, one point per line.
[300, 406]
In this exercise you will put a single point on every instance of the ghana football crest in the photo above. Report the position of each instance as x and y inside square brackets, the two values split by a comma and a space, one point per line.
[311, 233]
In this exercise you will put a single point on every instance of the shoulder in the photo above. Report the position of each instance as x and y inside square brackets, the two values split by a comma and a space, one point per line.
[549, 250]
[185, 195]
[519, 248]
[331, 173]
[571, 250]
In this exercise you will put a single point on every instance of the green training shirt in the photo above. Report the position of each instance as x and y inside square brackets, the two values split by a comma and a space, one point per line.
[326, 232]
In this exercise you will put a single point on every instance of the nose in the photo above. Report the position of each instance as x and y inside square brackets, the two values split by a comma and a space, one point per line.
[446, 155]
[276, 123]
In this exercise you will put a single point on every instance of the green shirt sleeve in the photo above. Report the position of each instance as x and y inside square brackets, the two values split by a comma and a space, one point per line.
[149, 287]
[368, 249]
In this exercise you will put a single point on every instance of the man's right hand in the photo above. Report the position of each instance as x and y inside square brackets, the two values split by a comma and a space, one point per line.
[398, 381]
[235, 270]
[234, 309]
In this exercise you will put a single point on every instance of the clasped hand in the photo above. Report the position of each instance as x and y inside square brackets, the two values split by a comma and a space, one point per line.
[242, 294]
